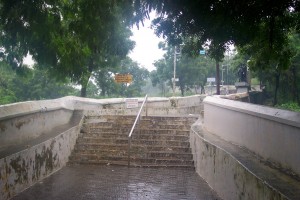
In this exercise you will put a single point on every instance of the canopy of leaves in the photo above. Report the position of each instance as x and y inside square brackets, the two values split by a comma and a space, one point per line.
[221, 22]
[72, 38]
[104, 79]
[30, 84]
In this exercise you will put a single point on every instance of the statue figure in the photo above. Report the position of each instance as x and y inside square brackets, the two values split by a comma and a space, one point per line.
[242, 73]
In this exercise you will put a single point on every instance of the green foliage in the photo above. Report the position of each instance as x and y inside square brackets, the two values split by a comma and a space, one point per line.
[104, 80]
[290, 106]
[221, 22]
[72, 38]
[75, 39]
[192, 71]
[259, 26]
[254, 81]
[276, 69]
[140, 76]
[32, 84]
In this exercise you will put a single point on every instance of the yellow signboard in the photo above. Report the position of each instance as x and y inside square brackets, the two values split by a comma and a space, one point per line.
[123, 78]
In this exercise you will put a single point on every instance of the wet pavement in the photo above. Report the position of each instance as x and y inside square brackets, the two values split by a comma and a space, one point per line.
[91, 182]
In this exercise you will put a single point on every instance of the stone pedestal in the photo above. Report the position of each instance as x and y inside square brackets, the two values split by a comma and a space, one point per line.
[242, 87]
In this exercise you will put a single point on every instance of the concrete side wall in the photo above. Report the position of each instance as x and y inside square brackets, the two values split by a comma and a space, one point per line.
[225, 174]
[23, 128]
[21, 170]
[155, 106]
[116, 105]
[273, 134]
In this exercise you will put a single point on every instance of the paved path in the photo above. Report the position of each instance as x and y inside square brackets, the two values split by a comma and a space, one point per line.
[89, 182]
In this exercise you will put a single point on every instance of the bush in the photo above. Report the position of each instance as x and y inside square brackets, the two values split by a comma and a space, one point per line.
[290, 106]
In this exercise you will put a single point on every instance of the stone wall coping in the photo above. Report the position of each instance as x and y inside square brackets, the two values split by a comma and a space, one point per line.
[69, 103]
[282, 116]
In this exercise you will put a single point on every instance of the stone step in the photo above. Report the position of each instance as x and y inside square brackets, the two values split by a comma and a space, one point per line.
[102, 152]
[134, 148]
[155, 156]
[133, 160]
[137, 131]
[98, 162]
[161, 161]
[150, 154]
[132, 118]
[156, 141]
[93, 123]
[133, 142]
[139, 126]
[161, 137]
[161, 154]
[125, 163]
[134, 137]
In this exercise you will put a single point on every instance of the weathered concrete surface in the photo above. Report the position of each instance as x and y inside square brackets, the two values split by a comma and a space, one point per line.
[273, 134]
[20, 170]
[155, 106]
[235, 173]
[25, 128]
[77, 103]
[83, 182]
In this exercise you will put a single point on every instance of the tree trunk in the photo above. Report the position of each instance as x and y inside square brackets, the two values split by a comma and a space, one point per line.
[277, 78]
[218, 77]
[84, 83]
[83, 91]
[182, 90]
[162, 85]
[202, 89]
[103, 91]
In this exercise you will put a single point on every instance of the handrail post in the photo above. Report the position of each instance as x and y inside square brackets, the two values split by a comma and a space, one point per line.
[146, 106]
[129, 144]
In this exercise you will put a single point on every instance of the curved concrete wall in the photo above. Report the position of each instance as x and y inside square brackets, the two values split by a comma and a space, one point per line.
[273, 134]
[23, 128]
[21, 170]
[225, 173]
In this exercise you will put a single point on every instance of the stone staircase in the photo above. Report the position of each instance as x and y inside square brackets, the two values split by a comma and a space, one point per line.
[156, 141]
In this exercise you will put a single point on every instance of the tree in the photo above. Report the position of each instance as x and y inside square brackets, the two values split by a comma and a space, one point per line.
[161, 75]
[30, 84]
[192, 71]
[29, 27]
[219, 23]
[105, 82]
[72, 38]
[139, 74]
[295, 67]
[96, 37]
[6, 84]
[104, 79]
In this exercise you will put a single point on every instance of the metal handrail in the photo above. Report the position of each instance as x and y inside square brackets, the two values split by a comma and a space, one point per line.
[135, 122]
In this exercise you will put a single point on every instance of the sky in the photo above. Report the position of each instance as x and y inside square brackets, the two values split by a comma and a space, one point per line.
[146, 48]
